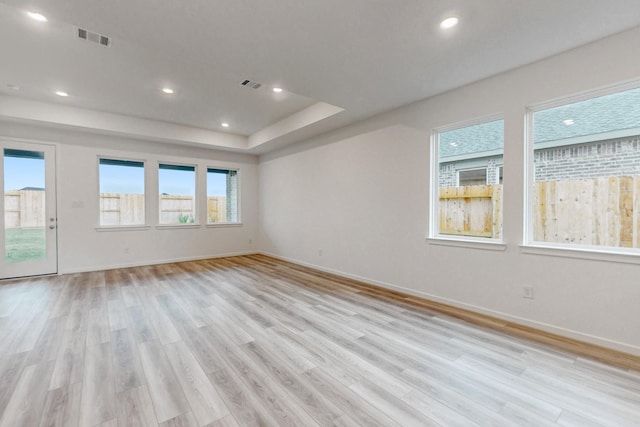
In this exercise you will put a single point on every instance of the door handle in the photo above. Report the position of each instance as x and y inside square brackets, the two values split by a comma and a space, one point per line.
[52, 226]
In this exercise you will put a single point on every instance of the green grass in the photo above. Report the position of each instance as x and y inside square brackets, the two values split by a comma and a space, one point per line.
[25, 244]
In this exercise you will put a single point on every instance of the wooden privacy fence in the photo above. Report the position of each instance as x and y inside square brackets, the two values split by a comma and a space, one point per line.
[121, 209]
[600, 211]
[24, 209]
[474, 210]
[216, 209]
[175, 208]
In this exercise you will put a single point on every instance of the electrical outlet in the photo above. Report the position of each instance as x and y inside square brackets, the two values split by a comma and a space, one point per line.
[320, 252]
[126, 251]
[250, 241]
[527, 292]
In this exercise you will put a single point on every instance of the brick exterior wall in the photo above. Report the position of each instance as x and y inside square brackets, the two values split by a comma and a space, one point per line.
[448, 172]
[614, 157]
[492, 171]
[447, 176]
[232, 196]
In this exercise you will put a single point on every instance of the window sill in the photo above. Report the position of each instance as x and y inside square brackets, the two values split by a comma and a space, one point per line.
[224, 224]
[176, 226]
[123, 228]
[627, 256]
[490, 245]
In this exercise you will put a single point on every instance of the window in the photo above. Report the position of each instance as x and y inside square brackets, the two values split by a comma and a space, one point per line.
[222, 196]
[121, 192]
[466, 158]
[499, 173]
[472, 177]
[177, 186]
[585, 175]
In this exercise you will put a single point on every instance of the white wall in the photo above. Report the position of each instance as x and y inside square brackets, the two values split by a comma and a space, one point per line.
[360, 196]
[83, 248]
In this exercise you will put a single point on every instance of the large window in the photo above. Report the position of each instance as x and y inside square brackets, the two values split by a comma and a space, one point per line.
[177, 186]
[121, 192]
[585, 175]
[222, 196]
[467, 182]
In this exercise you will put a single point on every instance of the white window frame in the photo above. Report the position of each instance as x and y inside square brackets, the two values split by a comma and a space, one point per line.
[238, 198]
[196, 201]
[434, 236]
[145, 225]
[568, 250]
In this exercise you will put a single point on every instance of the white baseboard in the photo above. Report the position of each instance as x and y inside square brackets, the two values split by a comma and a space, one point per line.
[568, 333]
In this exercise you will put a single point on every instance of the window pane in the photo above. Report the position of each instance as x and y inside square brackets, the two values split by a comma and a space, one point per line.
[177, 185]
[587, 172]
[469, 158]
[472, 177]
[222, 196]
[24, 206]
[499, 173]
[121, 192]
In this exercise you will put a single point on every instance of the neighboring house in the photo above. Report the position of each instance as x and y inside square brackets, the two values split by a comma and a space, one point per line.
[569, 142]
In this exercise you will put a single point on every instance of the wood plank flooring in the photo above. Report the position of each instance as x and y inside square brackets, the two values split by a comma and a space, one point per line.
[253, 341]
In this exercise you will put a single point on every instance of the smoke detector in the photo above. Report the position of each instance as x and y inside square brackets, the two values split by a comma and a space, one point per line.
[90, 36]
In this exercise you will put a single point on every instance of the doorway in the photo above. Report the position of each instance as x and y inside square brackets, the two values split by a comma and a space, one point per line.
[28, 226]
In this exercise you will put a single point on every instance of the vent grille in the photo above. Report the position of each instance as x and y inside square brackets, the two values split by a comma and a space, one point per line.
[252, 85]
[93, 37]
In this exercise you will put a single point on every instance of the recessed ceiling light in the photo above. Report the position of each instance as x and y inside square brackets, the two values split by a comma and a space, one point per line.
[61, 93]
[277, 89]
[13, 87]
[37, 16]
[224, 125]
[450, 22]
[167, 90]
[568, 122]
[453, 144]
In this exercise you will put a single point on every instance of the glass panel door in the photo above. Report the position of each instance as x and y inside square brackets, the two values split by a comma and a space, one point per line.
[28, 228]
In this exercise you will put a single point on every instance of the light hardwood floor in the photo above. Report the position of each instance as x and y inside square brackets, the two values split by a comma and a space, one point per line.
[249, 341]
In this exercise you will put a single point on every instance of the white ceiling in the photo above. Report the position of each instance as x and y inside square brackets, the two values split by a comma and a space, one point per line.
[339, 61]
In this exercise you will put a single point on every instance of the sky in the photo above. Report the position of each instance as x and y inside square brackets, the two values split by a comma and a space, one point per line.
[176, 182]
[130, 180]
[26, 172]
[121, 179]
[23, 172]
[216, 184]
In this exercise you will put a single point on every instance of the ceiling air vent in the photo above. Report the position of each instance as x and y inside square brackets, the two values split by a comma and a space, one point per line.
[252, 85]
[93, 37]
